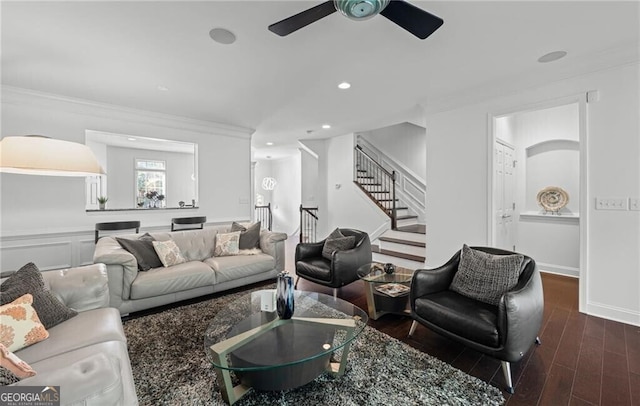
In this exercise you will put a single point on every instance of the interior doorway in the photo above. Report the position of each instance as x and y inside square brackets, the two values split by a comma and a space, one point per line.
[534, 149]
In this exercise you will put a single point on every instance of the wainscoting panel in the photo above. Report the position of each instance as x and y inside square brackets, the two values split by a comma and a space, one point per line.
[45, 254]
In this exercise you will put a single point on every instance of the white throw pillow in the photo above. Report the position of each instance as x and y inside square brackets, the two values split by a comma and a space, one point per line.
[227, 244]
[168, 252]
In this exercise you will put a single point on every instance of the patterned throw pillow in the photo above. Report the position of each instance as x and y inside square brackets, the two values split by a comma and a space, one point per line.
[227, 244]
[143, 250]
[17, 368]
[336, 241]
[249, 236]
[19, 324]
[28, 279]
[486, 277]
[168, 252]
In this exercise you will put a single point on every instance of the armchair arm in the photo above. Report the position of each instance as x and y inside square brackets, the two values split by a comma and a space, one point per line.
[520, 316]
[427, 281]
[345, 263]
[82, 288]
[309, 250]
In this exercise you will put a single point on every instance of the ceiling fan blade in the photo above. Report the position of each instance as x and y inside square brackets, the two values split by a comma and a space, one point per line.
[413, 19]
[294, 23]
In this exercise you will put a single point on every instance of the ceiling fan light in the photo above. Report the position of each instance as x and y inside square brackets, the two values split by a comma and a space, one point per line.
[360, 9]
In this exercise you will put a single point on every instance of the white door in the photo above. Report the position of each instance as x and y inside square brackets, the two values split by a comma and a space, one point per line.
[504, 197]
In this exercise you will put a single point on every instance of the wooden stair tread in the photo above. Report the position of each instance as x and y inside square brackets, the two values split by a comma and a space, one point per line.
[397, 254]
[407, 217]
[405, 242]
[413, 228]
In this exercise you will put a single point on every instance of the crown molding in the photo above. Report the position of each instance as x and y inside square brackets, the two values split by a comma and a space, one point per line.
[34, 98]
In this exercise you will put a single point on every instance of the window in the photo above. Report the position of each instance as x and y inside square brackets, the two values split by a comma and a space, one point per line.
[151, 182]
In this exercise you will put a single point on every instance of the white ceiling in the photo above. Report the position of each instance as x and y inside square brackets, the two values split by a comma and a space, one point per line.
[120, 52]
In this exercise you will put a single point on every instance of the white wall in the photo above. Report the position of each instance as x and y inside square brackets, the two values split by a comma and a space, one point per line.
[545, 159]
[348, 207]
[122, 176]
[309, 180]
[36, 206]
[457, 162]
[404, 143]
[263, 169]
[286, 195]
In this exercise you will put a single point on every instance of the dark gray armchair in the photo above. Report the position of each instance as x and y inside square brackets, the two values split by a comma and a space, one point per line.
[506, 331]
[341, 269]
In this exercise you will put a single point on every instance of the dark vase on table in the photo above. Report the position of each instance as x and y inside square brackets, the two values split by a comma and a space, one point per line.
[285, 296]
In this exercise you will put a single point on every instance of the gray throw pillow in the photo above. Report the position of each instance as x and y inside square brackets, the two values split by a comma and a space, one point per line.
[486, 277]
[28, 279]
[336, 241]
[143, 250]
[249, 236]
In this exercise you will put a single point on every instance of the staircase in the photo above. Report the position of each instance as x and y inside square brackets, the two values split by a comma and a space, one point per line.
[404, 244]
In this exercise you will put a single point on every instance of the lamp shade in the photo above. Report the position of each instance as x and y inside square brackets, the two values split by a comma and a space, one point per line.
[38, 155]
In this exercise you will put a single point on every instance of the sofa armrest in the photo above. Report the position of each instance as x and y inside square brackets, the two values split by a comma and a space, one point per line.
[118, 260]
[82, 288]
[272, 243]
[94, 380]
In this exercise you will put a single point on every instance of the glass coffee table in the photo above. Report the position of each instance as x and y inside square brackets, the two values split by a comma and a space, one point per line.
[268, 353]
[386, 292]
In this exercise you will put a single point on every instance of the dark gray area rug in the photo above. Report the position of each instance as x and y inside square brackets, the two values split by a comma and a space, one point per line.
[170, 367]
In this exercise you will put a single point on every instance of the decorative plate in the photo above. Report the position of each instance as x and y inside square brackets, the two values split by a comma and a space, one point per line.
[552, 198]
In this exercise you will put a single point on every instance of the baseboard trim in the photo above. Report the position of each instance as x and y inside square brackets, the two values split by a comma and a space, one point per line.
[559, 270]
[613, 313]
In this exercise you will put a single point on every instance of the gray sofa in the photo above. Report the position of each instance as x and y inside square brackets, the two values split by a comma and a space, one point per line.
[133, 290]
[86, 355]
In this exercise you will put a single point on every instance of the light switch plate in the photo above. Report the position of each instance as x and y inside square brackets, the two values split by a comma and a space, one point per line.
[611, 203]
[634, 203]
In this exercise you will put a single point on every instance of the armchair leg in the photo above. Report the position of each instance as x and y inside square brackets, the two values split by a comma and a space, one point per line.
[335, 293]
[413, 328]
[538, 341]
[506, 370]
[295, 285]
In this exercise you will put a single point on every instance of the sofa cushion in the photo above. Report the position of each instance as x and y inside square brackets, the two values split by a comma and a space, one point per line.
[28, 279]
[19, 325]
[160, 281]
[49, 372]
[486, 277]
[143, 250]
[94, 380]
[239, 266]
[195, 245]
[86, 329]
[249, 235]
[316, 268]
[466, 317]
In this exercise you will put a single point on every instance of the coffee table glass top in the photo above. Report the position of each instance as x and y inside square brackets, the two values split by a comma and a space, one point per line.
[374, 272]
[256, 340]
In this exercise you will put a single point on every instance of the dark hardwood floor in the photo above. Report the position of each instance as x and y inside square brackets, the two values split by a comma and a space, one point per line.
[583, 360]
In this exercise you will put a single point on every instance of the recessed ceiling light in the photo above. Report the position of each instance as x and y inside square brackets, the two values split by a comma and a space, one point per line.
[344, 85]
[326, 126]
[131, 139]
[552, 56]
[268, 156]
[163, 88]
[269, 143]
[222, 36]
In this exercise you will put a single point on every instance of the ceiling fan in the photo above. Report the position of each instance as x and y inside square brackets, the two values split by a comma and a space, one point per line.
[413, 19]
